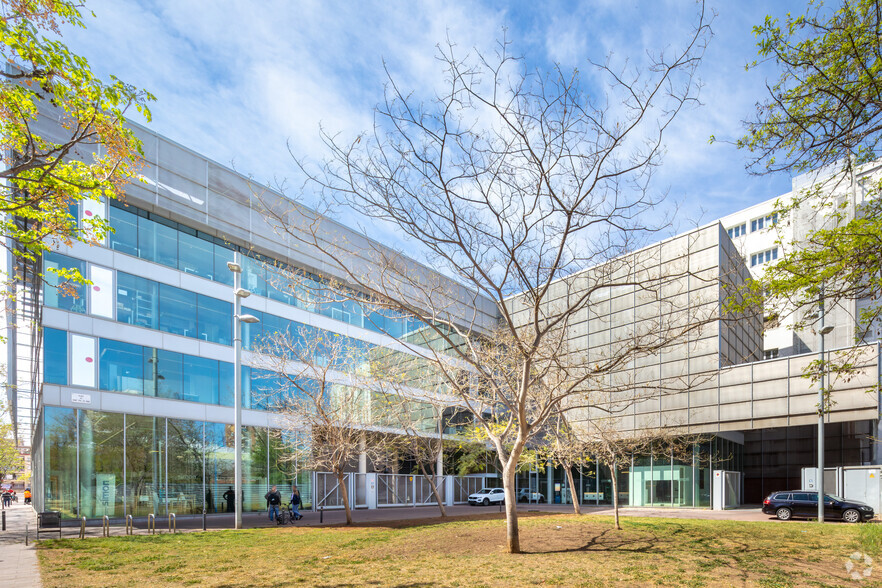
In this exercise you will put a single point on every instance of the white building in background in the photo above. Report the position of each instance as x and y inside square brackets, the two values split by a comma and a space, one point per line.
[761, 239]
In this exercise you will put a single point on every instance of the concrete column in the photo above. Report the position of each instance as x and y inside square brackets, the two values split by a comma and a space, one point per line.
[362, 457]
[549, 494]
[439, 465]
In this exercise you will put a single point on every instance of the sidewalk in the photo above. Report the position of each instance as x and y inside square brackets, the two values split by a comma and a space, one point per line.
[18, 564]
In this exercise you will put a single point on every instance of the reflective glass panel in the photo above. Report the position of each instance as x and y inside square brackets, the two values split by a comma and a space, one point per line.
[222, 273]
[219, 465]
[124, 237]
[196, 256]
[178, 310]
[254, 469]
[63, 293]
[215, 320]
[137, 301]
[60, 460]
[200, 379]
[54, 356]
[157, 242]
[185, 466]
[169, 376]
[253, 276]
[145, 456]
[101, 464]
[226, 381]
[121, 367]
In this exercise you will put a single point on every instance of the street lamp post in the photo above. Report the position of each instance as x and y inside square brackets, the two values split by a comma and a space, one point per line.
[822, 403]
[238, 318]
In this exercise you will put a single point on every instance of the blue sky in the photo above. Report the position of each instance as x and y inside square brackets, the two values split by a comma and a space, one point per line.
[239, 81]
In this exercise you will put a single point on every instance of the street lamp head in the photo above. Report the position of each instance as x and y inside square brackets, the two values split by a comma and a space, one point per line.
[243, 293]
[827, 330]
[248, 318]
[234, 267]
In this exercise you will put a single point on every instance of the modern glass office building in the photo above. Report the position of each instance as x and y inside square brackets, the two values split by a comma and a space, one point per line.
[124, 387]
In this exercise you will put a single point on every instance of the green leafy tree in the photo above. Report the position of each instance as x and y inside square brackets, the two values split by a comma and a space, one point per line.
[11, 460]
[824, 112]
[91, 154]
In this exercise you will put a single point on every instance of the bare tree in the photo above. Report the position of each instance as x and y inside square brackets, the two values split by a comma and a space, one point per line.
[419, 420]
[614, 447]
[510, 182]
[314, 381]
[566, 447]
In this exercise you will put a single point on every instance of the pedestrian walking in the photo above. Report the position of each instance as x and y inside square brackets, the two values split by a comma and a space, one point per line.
[295, 504]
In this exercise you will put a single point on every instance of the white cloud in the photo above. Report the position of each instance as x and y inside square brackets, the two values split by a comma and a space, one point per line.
[236, 80]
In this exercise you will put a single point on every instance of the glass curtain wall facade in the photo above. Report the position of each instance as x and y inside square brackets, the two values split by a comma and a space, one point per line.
[95, 463]
[659, 479]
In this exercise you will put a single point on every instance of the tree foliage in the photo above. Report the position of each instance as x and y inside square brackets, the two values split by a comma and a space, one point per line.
[824, 112]
[825, 108]
[90, 154]
[11, 460]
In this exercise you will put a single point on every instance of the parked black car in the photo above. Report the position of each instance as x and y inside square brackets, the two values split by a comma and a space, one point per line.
[804, 504]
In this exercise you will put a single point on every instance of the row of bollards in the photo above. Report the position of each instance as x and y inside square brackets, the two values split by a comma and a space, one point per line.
[130, 525]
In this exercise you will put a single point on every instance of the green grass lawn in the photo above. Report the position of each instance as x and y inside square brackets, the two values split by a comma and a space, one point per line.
[562, 550]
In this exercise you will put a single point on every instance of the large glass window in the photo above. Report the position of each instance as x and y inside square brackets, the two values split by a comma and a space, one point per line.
[200, 379]
[178, 311]
[226, 381]
[196, 255]
[254, 276]
[60, 460]
[185, 466]
[121, 368]
[137, 301]
[145, 455]
[278, 285]
[219, 465]
[222, 273]
[60, 292]
[157, 242]
[254, 468]
[169, 377]
[252, 333]
[215, 320]
[124, 237]
[101, 464]
[54, 356]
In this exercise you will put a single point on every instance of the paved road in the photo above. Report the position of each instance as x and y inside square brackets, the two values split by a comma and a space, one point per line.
[18, 563]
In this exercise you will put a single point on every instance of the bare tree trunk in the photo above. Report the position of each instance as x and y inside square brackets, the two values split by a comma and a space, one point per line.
[573, 493]
[511, 506]
[345, 492]
[435, 493]
[615, 492]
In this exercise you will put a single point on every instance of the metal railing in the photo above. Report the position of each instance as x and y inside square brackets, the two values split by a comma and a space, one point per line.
[172, 523]
[327, 492]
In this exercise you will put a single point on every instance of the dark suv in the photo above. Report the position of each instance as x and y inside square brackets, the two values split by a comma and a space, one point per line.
[804, 504]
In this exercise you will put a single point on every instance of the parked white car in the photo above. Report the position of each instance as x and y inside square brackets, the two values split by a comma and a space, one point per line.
[524, 495]
[487, 496]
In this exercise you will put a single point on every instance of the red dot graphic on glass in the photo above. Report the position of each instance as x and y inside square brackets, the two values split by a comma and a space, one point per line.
[96, 288]
[87, 212]
[88, 360]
